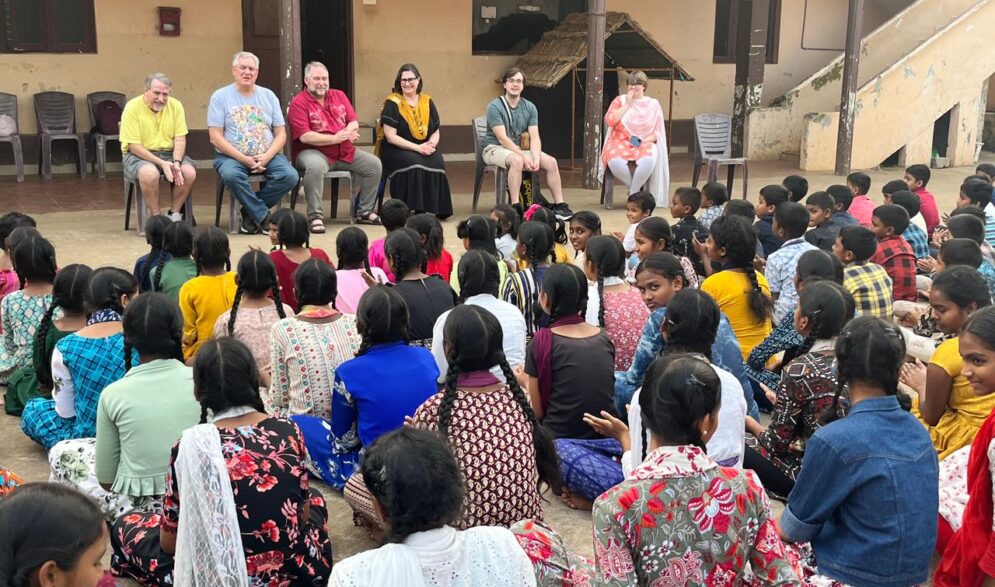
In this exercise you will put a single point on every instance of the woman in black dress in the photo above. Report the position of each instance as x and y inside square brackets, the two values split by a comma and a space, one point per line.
[408, 147]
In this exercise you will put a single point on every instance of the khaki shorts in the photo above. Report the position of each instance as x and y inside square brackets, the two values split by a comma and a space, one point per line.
[132, 163]
[498, 155]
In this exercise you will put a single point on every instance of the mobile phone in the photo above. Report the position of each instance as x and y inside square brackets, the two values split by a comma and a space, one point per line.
[636, 141]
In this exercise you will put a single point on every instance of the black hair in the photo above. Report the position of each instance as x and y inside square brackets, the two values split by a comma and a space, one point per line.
[893, 186]
[19, 235]
[678, 391]
[690, 197]
[961, 251]
[393, 214]
[966, 223]
[508, 220]
[860, 241]
[106, 286]
[256, 275]
[416, 478]
[979, 192]
[178, 242]
[474, 342]
[607, 256]
[738, 238]
[963, 286]
[919, 172]
[983, 178]
[841, 195]
[42, 522]
[590, 220]
[742, 208]
[715, 192]
[692, 322]
[985, 169]
[315, 283]
[68, 292]
[819, 265]
[861, 181]
[409, 67]
[277, 216]
[429, 229]
[537, 238]
[565, 286]
[293, 230]
[155, 236]
[981, 325]
[480, 231]
[381, 317]
[892, 216]
[907, 200]
[821, 200]
[871, 351]
[352, 249]
[404, 249]
[225, 376]
[797, 185]
[34, 260]
[477, 273]
[11, 221]
[828, 308]
[774, 195]
[547, 217]
[656, 229]
[645, 200]
[663, 264]
[153, 326]
[793, 218]
[210, 249]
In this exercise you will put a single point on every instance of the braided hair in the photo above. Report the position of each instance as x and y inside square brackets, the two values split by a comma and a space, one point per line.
[692, 322]
[404, 252]
[678, 392]
[178, 239]
[737, 237]
[871, 351]
[34, 260]
[256, 275]
[565, 286]
[155, 236]
[537, 240]
[429, 231]
[68, 291]
[477, 274]
[153, 326]
[546, 216]
[225, 376]
[315, 283]
[292, 230]
[19, 235]
[607, 257]
[827, 307]
[474, 342]
[480, 231]
[210, 249]
[106, 286]
[352, 248]
[381, 318]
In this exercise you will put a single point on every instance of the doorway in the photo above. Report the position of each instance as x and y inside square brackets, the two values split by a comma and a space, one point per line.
[326, 36]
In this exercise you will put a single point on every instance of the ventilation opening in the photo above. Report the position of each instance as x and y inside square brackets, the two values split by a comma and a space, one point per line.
[941, 135]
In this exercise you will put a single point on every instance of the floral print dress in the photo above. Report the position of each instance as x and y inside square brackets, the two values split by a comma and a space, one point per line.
[20, 316]
[270, 486]
[625, 315]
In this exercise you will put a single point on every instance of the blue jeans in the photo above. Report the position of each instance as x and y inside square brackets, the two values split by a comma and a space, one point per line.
[280, 175]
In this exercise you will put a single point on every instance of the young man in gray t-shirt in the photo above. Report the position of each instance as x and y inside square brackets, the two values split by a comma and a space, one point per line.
[509, 117]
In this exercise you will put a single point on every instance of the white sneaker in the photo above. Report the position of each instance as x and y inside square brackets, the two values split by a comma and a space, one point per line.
[175, 216]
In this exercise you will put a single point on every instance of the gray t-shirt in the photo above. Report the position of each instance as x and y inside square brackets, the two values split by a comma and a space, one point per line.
[522, 117]
[248, 121]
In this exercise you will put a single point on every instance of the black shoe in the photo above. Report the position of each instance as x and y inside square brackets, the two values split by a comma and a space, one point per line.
[518, 209]
[248, 224]
[562, 211]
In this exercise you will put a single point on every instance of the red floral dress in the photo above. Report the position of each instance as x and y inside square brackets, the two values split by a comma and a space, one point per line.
[625, 316]
[270, 485]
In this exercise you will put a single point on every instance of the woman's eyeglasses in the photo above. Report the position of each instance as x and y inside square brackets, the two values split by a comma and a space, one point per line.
[408, 80]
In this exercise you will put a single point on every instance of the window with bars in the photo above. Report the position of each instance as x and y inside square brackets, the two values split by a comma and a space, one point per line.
[726, 24]
[47, 26]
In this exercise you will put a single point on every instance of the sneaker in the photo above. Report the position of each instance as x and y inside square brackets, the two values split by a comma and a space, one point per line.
[175, 216]
[248, 224]
[562, 211]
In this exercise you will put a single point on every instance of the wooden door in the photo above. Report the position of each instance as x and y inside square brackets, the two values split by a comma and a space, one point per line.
[261, 35]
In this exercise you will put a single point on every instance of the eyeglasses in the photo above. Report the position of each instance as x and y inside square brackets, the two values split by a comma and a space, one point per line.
[515, 82]
[408, 80]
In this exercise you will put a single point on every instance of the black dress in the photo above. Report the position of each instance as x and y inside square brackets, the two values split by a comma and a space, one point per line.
[419, 180]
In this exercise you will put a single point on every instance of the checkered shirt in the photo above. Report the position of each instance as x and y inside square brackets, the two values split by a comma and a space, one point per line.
[897, 258]
[871, 288]
[916, 237]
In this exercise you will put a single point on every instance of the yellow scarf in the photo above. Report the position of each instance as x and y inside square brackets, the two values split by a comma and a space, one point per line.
[417, 118]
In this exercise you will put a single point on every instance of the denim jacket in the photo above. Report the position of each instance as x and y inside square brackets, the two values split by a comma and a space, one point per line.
[867, 497]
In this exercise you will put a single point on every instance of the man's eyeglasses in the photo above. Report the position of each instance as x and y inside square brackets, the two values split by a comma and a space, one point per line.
[408, 80]
[515, 82]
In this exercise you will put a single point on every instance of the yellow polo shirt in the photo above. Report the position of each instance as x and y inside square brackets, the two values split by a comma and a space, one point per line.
[154, 131]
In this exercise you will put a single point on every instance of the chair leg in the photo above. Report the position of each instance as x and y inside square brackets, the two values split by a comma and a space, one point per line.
[18, 157]
[713, 170]
[234, 214]
[81, 146]
[383, 190]
[127, 204]
[219, 194]
[746, 177]
[294, 192]
[500, 185]
[101, 157]
[334, 202]
[353, 202]
[187, 209]
[478, 178]
[140, 209]
[45, 166]
[732, 178]
[696, 174]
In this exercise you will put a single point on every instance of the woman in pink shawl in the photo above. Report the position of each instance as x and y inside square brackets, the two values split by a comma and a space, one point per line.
[635, 132]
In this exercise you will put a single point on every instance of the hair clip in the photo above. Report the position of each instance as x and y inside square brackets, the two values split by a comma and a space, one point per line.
[531, 211]
[693, 380]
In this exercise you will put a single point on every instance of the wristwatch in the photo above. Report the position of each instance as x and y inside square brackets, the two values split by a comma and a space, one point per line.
[177, 162]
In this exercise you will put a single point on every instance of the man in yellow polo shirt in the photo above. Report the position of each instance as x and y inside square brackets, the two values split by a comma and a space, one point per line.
[154, 143]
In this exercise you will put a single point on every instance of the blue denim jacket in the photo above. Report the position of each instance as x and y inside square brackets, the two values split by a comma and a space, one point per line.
[867, 497]
[725, 354]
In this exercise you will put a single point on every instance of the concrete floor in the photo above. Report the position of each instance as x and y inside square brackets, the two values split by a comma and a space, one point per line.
[83, 234]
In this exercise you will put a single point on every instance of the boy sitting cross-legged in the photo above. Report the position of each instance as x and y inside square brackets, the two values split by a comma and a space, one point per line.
[914, 235]
[893, 252]
[867, 282]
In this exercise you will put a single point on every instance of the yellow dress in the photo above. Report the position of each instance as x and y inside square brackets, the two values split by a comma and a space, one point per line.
[965, 411]
[731, 291]
[202, 300]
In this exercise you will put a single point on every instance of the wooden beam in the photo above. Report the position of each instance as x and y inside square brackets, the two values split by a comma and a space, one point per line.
[594, 91]
[291, 70]
[848, 99]
[751, 54]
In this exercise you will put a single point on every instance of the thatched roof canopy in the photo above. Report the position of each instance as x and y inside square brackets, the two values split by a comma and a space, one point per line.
[626, 45]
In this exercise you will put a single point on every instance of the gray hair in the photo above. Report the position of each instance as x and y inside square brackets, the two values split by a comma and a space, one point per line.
[311, 65]
[159, 77]
[244, 55]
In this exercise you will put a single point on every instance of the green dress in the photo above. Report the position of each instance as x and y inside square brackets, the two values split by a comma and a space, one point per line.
[175, 273]
[23, 385]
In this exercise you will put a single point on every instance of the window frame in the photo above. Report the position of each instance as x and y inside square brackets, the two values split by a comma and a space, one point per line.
[773, 32]
[50, 42]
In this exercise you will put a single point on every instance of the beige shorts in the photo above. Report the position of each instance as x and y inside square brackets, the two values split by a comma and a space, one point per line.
[498, 155]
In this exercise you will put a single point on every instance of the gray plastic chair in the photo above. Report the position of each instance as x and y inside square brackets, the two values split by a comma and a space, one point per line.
[56, 113]
[501, 194]
[99, 163]
[334, 176]
[133, 192]
[8, 106]
[234, 206]
[713, 136]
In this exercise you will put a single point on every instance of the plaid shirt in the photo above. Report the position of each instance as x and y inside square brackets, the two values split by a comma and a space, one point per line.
[916, 237]
[870, 287]
[897, 258]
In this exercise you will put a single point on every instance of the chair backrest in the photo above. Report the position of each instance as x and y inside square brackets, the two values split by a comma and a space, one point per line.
[56, 112]
[8, 105]
[714, 135]
[479, 125]
[96, 98]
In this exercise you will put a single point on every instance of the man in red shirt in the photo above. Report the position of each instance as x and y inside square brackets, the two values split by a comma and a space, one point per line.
[323, 127]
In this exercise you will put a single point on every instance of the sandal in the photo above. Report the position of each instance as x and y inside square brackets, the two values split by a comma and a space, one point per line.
[317, 226]
[368, 218]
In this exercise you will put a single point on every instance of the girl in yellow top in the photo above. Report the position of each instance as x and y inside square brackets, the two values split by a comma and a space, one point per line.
[946, 405]
[211, 293]
[740, 290]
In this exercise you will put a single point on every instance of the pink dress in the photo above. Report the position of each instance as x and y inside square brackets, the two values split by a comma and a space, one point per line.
[625, 317]
[352, 286]
[378, 258]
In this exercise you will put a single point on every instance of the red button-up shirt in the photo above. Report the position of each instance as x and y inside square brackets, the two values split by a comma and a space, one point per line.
[308, 114]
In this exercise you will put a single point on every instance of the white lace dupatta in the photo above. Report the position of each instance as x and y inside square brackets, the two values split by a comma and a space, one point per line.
[209, 549]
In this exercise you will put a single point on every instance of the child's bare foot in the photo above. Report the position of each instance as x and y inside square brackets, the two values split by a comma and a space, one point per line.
[576, 502]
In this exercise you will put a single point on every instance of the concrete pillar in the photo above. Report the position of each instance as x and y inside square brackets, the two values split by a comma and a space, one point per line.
[964, 129]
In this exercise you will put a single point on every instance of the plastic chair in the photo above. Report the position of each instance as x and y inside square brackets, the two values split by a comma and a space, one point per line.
[501, 193]
[334, 176]
[8, 106]
[713, 136]
[133, 191]
[99, 164]
[234, 206]
[56, 113]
